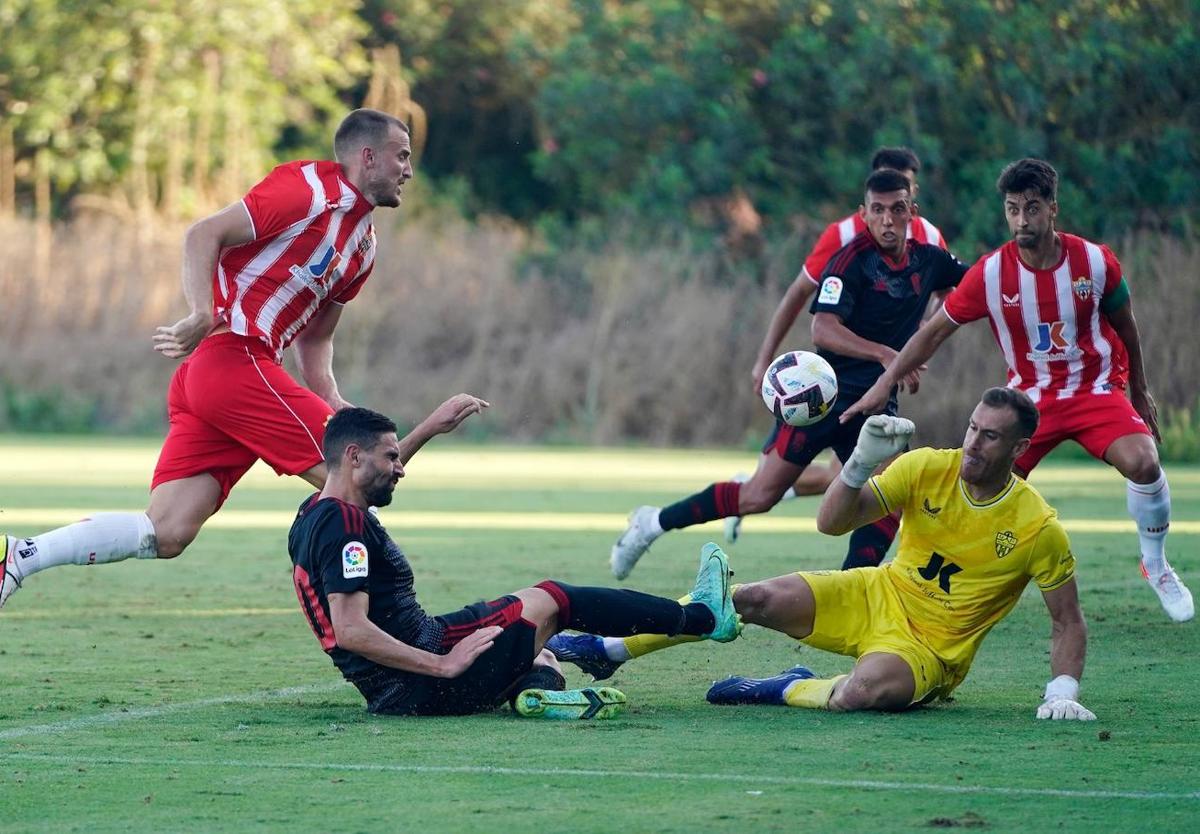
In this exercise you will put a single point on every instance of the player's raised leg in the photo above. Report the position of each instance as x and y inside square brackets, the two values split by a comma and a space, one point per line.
[1148, 499]
[720, 500]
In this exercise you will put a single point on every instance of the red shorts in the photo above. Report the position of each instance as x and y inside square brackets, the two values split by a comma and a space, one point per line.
[1093, 421]
[230, 404]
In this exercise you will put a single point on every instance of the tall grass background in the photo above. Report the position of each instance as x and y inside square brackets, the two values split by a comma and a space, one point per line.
[621, 342]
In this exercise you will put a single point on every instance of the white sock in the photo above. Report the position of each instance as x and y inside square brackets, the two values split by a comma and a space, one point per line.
[1150, 506]
[655, 525]
[105, 537]
[790, 492]
[616, 649]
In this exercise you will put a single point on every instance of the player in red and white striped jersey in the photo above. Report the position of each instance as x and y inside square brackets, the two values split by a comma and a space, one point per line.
[268, 271]
[1060, 310]
[872, 541]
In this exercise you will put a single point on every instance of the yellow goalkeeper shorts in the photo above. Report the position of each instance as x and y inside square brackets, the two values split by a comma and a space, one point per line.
[859, 612]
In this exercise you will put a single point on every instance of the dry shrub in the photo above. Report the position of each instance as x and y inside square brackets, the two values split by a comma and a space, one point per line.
[651, 344]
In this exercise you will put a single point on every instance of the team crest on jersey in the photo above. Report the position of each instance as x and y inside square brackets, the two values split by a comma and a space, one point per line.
[354, 560]
[1082, 287]
[831, 290]
[1005, 542]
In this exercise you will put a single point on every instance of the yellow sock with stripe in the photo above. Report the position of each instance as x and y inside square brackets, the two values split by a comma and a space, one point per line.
[813, 693]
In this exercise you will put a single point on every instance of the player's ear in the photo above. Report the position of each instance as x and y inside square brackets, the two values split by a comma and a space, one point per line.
[862, 211]
[1053, 209]
[367, 156]
[1021, 447]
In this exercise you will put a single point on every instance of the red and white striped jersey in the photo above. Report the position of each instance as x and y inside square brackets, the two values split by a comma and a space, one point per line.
[313, 245]
[1048, 322]
[837, 235]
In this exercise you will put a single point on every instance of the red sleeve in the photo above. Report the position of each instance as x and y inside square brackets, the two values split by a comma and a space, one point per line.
[349, 291]
[826, 247]
[968, 301]
[277, 202]
[1112, 271]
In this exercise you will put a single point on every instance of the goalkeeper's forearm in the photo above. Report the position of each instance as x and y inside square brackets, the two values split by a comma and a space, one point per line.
[1068, 648]
[841, 509]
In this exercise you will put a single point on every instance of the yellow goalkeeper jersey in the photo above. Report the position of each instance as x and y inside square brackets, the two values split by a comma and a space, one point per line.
[961, 564]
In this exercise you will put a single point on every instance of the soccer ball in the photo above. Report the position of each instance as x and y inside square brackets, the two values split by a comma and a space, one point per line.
[799, 388]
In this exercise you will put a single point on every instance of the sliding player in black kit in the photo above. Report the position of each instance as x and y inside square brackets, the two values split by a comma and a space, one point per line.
[356, 588]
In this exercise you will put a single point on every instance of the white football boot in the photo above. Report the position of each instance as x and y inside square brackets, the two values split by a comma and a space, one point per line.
[643, 529]
[1175, 597]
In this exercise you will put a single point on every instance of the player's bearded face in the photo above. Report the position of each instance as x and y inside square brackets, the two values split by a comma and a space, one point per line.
[392, 169]
[1030, 218]
[381, 472]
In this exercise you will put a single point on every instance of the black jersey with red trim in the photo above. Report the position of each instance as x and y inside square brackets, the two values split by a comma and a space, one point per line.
[880, 300]
[339, 548]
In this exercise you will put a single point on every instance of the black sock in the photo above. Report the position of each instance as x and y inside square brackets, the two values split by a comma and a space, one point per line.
[618, 612]
[539, 677]
[714, 501]
[869, 545]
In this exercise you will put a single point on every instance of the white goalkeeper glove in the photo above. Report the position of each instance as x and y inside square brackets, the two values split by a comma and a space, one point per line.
[1060, 702]
[881, 437]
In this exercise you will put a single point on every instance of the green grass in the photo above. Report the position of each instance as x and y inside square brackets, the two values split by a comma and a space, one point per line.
[190, 695]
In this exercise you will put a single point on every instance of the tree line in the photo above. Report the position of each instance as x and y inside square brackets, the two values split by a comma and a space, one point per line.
[710, 113]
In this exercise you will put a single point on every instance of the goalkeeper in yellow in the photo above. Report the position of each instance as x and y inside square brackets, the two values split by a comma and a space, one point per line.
[972, 537]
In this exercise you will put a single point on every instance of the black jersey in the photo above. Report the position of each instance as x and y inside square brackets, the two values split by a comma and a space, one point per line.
[880, 301]
[339, 548]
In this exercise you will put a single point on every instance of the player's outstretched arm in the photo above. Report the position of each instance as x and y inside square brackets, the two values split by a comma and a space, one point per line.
[913, 357]
[846, 505]
[354, 632]
[793, 301]
[314, 355]
[202, 245]
[445, 418]
[1068, 647]
[1125, 324]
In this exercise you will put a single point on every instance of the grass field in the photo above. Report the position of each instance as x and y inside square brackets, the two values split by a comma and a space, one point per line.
[192, 696]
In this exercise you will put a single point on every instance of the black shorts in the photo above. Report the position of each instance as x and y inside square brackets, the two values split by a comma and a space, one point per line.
[799, 445]
[485, 685]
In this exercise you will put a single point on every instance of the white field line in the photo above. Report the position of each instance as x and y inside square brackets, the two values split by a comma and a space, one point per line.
[542, 773]
[88, 722]
[20, 518]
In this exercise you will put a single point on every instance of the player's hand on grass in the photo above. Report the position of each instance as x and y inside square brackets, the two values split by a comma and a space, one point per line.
[1060, 701]
[450, 414]
[1147, 409]
[179, 339]
[1065, 709]
[465, 651]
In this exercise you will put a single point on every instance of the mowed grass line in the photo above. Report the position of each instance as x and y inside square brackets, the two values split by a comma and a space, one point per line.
[174, 665]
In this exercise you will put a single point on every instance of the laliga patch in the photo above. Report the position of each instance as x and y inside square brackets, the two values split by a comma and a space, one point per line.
[831, 290]
[354, 560]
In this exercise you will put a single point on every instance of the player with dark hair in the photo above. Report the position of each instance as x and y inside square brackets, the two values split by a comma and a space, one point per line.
[1060, 310]
[973, 536]
[356, 588]
[873, 294]
[269, 271]
[814, 479]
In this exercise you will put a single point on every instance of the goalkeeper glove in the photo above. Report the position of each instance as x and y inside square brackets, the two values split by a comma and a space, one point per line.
[1060, 702]
[881, 437]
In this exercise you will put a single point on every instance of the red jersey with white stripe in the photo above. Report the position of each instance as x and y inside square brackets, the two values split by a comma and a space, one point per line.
[837, 235]
[313, 245]
[1048, 322]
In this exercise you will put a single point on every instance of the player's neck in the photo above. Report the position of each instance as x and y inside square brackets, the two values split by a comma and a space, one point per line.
[983, 492]
[1046, 254]
[346, 493]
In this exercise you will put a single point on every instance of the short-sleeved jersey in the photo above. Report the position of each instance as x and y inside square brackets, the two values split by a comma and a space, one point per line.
[879, 300]
[1048, 322]
[837, 235]
[313, 245]
[961, 565]
[338, 548]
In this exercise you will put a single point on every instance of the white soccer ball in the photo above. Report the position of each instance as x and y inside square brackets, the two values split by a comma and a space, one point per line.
[799, 388]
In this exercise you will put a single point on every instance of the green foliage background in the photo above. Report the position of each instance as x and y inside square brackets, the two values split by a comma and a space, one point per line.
[569, 108]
